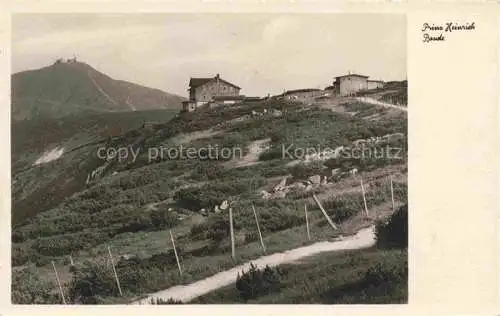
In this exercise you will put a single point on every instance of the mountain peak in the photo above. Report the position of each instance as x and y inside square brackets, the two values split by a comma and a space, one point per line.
[69, 87]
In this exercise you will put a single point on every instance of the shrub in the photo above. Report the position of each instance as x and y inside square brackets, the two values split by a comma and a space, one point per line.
[210, 195]
[162, 218]
[273, 153]
[389, 270]
[256, 282]
[90, 283]
[64, 244]
[276, 219]
[29, 288]
[303, 171]
[394, 233]
[207, 170]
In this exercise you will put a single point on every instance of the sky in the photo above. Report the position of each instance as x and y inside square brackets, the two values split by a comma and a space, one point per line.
[261, 53]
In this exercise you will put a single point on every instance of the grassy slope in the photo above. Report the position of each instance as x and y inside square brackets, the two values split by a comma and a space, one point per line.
[109, 211]
[76, 134]
[332, 278]
[67, 89]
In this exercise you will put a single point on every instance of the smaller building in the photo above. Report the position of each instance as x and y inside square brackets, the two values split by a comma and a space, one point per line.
[226, 99]
[350, 84]
[375, 84]
[188, 106]
[303, 95]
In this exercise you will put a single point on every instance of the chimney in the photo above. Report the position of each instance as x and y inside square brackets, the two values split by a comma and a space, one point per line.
[217, 76]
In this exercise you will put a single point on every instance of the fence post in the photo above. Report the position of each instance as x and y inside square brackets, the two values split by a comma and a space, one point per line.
[364, 198]
[59, 283]
[175, 252]
[324, 212]
[307, 223]
[233, 255]
[258, 229]
[114, 272]
[392, 196]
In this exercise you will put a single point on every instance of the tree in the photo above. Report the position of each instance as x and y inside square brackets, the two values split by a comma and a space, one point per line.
[394, 233]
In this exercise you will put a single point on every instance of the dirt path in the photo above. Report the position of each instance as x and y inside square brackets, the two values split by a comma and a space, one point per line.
[252, 157]
[132, 107]
[186, 138]
[363, 239]
[384, 104]
[102, 91]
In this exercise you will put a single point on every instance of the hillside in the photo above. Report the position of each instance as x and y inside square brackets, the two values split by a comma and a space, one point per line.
[74, 88]
[79, 204]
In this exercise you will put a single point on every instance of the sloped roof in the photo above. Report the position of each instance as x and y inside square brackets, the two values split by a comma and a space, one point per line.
[228, 97]
[196, 82]
[300, 90]
[352, 75]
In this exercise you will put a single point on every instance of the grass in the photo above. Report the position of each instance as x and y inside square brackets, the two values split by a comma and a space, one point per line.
[118, 209]
[335, 278]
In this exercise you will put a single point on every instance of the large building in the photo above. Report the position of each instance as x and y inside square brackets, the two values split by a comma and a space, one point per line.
[206, 90]
[350, 84]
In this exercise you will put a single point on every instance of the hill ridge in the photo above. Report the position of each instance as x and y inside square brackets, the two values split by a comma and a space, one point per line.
[63, 89]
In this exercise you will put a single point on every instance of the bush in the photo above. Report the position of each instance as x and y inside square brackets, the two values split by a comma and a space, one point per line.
[207, 170]
[303, 171]
[91, 283]
[64, 244]
[394, 233]
[388, 271]
[276, 219]
[162, 218]
[273, 153]
[210, 195]
[29, 288]
[256, 282]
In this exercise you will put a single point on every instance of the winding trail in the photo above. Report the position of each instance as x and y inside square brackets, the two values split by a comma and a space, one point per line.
[107, 96]
[365, 238]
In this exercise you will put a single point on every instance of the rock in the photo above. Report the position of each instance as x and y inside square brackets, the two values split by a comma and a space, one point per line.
[203, 211]
[298, 185]
[324, 181]
[265, 194]
[335, 171]
[280, 194]
[309, 187]
[224, 205]
[217, 209]
[316, 179]
[338, 151]
[353, 171]
[358, 142]
[114, 172]
[170, 209]
[281, 186]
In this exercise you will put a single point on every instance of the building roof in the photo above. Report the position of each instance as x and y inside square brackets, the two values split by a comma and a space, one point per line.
[352, 75]
[376, 81]
[196, 82]
[228, 97]
[300, 90]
